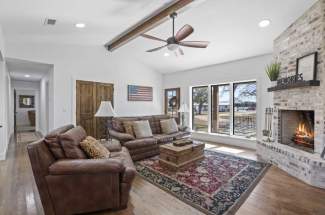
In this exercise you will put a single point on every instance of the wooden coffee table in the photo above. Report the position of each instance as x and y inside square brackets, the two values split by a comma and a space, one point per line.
[176, 157]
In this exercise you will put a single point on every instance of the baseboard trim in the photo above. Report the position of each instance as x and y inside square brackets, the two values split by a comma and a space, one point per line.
[3, 155]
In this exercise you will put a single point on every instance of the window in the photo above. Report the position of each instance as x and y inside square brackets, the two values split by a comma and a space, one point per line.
[245, 109]
[200, 108]
[233, 109]
[221, 115]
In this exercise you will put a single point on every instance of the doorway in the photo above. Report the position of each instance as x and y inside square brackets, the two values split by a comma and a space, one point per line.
[30, 92]
[88, 98]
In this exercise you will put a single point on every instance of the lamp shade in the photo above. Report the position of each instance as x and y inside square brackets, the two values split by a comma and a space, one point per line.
[105, 110]
[184, 108]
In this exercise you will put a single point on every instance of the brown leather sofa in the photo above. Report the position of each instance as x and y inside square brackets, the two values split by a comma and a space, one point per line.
[145, 147]
[80, 185]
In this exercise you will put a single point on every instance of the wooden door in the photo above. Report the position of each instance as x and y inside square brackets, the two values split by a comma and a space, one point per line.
[104, 92]
[172, 94]
[89, 96]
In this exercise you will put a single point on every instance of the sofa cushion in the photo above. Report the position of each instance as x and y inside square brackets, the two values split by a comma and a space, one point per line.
[70, 142]
[138, 143]
[94, 149]
[163, 138]
[117, 123]
[128, 127]
[168, 126]
[142, 129]
[53, 142]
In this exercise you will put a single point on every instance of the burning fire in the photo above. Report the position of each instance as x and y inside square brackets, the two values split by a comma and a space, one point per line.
[302, 131]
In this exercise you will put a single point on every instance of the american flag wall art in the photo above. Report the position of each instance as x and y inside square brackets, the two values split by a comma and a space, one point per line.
[139, 93]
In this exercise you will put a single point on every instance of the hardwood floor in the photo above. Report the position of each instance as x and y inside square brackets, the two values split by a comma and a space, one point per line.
[276, 193]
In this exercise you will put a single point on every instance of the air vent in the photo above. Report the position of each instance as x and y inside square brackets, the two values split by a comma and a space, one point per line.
[49, 21]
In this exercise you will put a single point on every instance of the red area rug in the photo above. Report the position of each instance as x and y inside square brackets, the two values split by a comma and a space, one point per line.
[216, 185]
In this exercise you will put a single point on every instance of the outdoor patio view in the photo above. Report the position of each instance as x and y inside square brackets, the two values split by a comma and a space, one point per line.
[200, 108]
[221, 116]
[238, 119]
[245, 109]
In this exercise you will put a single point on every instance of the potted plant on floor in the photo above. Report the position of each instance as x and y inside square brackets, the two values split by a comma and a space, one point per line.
[273, 70]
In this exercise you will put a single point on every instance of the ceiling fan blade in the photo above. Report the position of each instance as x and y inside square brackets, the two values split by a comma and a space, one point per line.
[195, 44]
[152, 37]
[184, 32]
[156, 49]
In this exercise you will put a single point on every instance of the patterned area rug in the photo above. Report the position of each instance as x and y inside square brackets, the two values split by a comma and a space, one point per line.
[217, 185]
[27, 137]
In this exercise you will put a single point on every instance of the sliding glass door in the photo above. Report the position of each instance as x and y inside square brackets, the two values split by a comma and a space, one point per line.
[200, 109]
[245, 109]
[221, 114]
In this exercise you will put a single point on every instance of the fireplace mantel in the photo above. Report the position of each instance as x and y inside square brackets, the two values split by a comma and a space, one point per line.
[294, 85]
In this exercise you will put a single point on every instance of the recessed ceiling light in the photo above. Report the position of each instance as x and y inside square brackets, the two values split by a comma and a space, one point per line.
[166, 54]
[27, 76]
[80, 25]
[264, 23]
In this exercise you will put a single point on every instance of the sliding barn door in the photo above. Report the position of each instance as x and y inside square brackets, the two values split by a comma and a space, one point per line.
[89, 96]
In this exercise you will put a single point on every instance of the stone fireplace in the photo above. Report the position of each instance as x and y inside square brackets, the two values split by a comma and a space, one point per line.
[299, 110]
[297, 129]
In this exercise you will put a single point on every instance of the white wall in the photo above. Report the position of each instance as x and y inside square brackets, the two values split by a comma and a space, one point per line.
[4, 100]
[27, 88]
[241, 70]
[44, 105]
[94, 64]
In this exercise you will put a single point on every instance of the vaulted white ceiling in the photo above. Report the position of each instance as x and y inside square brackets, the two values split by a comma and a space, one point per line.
[230, 25]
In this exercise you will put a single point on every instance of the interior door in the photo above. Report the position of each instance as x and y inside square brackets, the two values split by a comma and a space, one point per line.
[85, 94]
[104, 92]
[89, 96]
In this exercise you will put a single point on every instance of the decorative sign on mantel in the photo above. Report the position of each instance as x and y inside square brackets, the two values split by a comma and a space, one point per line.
[290, 80]
[306, 74]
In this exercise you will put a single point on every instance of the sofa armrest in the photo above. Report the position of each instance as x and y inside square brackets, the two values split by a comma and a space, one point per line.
[182, 128]
[123, 137]
[86, 166]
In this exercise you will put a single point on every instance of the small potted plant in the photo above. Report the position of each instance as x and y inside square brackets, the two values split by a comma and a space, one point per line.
[273, 70]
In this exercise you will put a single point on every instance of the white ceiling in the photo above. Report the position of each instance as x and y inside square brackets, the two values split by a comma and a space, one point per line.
[19, 68]
[230, 25]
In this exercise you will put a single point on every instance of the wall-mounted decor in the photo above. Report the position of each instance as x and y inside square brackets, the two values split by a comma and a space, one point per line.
[307, 66]
[26, 101]
[139, 93]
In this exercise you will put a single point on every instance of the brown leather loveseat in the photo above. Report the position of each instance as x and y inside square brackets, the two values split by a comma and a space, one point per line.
[79, 185]
[143, 147]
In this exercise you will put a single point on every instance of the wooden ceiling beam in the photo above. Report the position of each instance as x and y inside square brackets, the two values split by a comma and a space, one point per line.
[153, 20]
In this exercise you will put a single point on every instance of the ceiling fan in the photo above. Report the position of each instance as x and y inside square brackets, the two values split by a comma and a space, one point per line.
[175, 42]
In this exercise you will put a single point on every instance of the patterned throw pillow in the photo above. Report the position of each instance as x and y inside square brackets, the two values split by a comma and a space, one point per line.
[142, 129]
[128, 126]
[94, 149]
[169, 126]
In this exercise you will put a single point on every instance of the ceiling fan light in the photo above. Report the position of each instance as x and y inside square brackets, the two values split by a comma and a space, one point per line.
[172, 47]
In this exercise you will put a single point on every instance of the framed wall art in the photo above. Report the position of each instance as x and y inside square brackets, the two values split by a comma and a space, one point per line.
[139, 93]
[307, 66]
[26, 101]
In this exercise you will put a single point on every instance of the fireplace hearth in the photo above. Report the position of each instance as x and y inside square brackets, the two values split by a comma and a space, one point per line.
[297, 129]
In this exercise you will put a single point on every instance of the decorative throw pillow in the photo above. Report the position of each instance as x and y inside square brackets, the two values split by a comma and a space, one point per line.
[94, 149]
[142, 129]
[70, 142]
[168, 126]
[128, 126]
